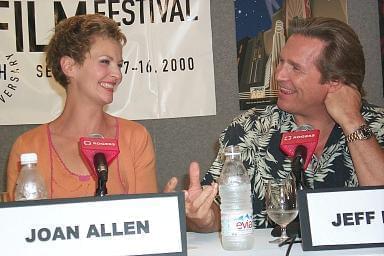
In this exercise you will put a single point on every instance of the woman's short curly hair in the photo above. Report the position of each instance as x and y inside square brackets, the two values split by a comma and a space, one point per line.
[73, 38]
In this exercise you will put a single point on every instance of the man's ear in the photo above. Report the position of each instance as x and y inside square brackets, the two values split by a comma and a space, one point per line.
[334, 85]
[67, 65]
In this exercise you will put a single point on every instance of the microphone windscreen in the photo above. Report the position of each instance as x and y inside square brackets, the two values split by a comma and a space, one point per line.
[90, 146]
[306, 138]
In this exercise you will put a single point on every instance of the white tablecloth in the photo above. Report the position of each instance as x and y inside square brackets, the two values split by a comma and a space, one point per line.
[200, 244]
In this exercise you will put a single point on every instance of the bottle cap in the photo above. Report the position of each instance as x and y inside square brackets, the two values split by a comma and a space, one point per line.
[28, 158]
[232, 150]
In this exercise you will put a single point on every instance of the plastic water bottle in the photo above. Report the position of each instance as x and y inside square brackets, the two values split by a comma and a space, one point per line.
[236, 203]
[30, 185]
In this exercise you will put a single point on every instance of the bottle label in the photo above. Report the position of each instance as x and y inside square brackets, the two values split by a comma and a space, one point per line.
[236, 223]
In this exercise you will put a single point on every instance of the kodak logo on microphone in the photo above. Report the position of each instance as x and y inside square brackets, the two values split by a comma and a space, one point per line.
[291, 140]
[90, 146]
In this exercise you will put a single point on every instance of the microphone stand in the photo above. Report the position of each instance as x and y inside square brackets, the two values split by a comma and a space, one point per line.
[298, 167]
[101, 189]
[102, 174]
[298, 170]
[293, 228]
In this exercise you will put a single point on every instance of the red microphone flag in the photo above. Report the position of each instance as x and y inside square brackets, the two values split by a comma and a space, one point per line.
[90, 146]
[308, 139]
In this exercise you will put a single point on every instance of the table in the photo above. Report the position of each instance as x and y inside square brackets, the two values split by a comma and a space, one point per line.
[200, 244]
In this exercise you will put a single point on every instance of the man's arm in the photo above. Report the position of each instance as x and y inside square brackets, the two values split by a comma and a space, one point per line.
[368, 160]
[344, 106]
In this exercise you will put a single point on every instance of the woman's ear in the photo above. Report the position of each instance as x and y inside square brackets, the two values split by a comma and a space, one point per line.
[67, 65]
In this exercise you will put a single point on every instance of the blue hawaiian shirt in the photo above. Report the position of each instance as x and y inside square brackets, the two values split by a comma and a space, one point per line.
[258, 133]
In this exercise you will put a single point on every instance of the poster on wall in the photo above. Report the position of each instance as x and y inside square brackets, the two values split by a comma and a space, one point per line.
[168, 61]
[261, 32]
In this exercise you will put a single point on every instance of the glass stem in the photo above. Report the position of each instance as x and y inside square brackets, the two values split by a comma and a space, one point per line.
[284, 232]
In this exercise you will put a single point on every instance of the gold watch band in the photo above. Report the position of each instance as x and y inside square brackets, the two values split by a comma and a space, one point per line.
[362, 133]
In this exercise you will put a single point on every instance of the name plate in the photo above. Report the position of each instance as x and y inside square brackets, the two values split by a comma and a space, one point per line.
[341, 218]
[143, 224]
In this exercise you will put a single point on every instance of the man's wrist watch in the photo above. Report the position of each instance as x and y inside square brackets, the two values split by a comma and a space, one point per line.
[362, 133]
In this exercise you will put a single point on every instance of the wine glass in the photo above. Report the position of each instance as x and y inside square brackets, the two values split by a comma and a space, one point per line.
[4, 197]
[281, 204]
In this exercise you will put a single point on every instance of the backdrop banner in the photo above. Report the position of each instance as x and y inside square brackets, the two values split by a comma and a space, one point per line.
[168, 61]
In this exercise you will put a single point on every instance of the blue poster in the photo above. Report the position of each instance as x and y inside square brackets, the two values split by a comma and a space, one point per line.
[262, 28]
[254, 20]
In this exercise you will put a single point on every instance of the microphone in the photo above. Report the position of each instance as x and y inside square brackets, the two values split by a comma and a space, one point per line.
[300, 144]
[99, 152]
[101, 166]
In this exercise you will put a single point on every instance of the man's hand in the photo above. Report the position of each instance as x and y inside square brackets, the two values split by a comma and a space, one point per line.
[202, 214]
[199, 201]
[343, 104]
[171, 185]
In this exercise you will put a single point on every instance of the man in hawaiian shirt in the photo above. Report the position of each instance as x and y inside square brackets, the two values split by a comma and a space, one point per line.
[320, 75]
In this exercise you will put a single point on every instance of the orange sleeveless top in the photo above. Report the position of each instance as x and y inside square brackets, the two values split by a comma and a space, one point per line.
[133, 171]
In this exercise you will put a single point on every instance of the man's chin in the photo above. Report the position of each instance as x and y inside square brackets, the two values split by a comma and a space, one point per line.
[280, 104]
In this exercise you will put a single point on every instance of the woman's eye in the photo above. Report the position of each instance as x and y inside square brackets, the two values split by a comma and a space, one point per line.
[105, 61]
[120, 65]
